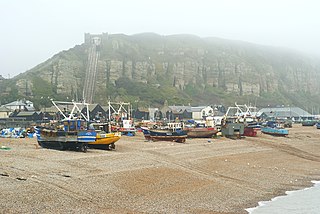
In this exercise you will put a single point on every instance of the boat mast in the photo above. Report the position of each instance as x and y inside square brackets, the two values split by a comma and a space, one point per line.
[75, 107]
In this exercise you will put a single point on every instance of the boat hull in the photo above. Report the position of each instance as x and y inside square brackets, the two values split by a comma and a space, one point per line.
[250, 132]
[274, 131]
[201, 132]
[167, 135]
[146, 133]
[105, 141]
[80, 140]
[308, 123]
[61, 140]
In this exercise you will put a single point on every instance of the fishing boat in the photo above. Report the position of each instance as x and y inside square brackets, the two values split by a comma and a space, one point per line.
[250, 131]
[201, 132]
[240, 121]
[274, 128]
[70, 135]
[166, 132]
[308, 122]
[232, 129]
[126, 128]
[168, 135]
[275, 131]
[73, 132]
[146, 133]
[201, 129]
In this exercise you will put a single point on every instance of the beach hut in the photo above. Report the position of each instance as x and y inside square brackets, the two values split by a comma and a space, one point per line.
[96, 112]
[29, 115]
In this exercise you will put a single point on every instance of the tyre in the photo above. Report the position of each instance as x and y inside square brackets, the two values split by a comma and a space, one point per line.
[112, 146]
[83, 147]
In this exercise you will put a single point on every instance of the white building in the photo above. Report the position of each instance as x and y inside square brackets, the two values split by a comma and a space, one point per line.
[21, 105]
[201, 112]
[4, 112]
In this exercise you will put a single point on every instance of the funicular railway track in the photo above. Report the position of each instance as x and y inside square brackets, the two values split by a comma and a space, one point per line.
[91, 70]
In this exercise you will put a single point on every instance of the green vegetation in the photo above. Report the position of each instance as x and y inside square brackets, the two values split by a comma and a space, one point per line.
[147, 95]
[9, 91]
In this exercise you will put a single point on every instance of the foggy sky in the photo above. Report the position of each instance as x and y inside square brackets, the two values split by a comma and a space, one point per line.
[33, 31]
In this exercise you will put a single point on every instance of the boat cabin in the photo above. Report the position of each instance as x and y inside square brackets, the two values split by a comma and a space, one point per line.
[98, 127]
[174, 126]
[74, 125]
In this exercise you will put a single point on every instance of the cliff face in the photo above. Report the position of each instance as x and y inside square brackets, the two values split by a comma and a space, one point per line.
[183, 62]
[236, 67]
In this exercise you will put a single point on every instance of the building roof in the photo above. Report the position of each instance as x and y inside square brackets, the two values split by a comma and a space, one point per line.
[30, 108]
[218, 113]
[26, 113]
[4, 109]
[91, 106]
[143, 109]
[179, 109]
[284, 112]
[16, 103]
[198, 108]
[105, 108]
[51, 109]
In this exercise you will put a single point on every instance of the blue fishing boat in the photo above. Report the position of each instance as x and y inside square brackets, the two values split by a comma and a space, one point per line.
[275, 131]
[70, 136]
[73, 132]
[146, 133]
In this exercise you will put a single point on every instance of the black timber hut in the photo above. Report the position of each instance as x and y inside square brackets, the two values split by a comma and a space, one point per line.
[96, 112]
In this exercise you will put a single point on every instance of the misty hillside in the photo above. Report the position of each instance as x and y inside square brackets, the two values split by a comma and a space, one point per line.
[147, 69]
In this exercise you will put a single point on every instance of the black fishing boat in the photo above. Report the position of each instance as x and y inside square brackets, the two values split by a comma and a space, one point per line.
[168, 135]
